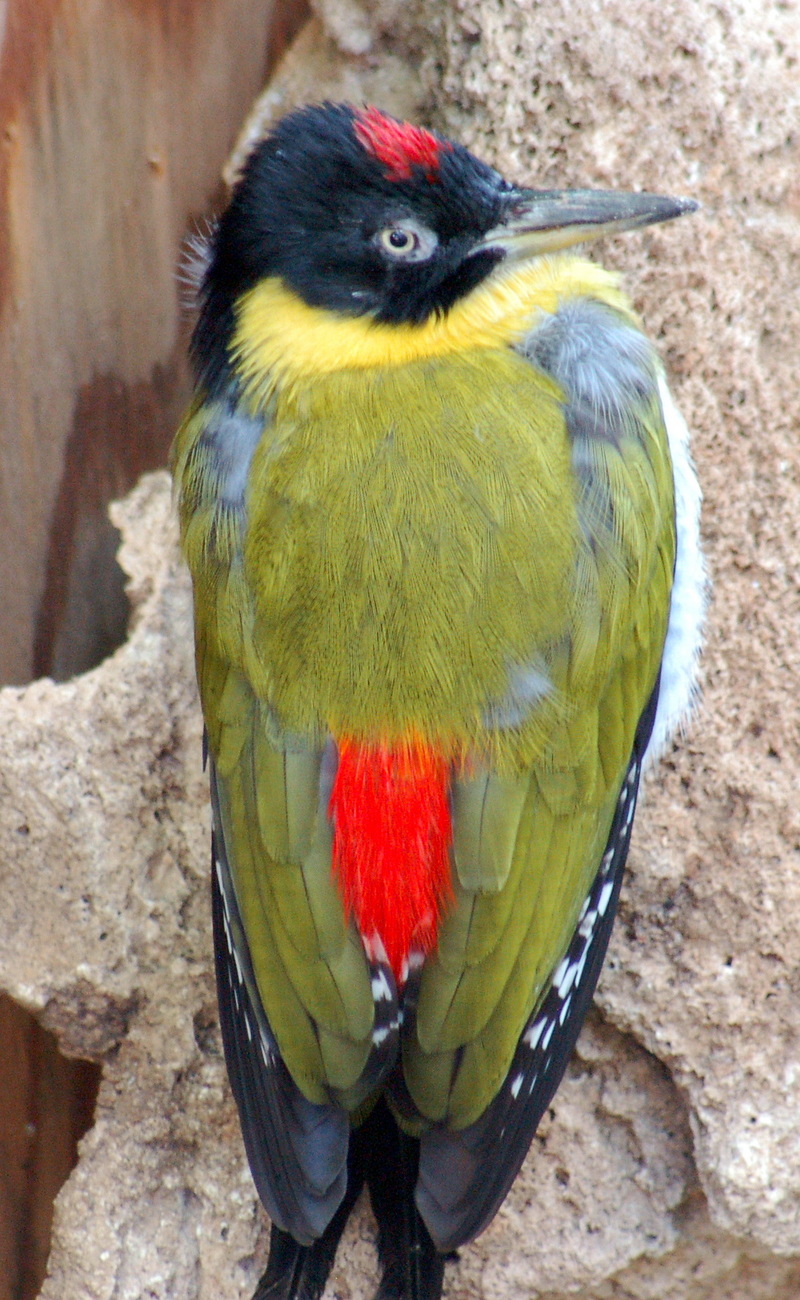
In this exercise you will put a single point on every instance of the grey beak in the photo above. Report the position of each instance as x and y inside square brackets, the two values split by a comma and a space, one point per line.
[542, 221]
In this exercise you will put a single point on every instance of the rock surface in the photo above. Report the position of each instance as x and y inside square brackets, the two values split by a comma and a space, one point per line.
[669, 1165]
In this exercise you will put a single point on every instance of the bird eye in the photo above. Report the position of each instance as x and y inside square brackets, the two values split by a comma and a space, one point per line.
[397, 240]
[407, 242]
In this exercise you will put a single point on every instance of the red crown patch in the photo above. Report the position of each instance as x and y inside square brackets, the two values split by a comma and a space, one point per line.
[399, 145]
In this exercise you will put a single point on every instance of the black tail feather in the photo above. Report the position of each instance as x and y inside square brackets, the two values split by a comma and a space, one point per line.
[387, 1159]
[296, 1272]
[412, 1267]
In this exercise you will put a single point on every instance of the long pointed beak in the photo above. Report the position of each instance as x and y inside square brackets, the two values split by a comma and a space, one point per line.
[542, 221]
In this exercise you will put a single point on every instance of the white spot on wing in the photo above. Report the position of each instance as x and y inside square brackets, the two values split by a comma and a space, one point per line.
[561, 971]
[605, 895]
[588, 923]
[567, 979]
[231, 438]
[580, 966]
[533, 1034]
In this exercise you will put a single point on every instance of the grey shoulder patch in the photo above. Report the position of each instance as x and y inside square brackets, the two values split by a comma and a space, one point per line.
[227, 445]
[606, 367]
[216, 472]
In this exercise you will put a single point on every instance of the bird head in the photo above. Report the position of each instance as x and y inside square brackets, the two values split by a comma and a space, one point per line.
[363, 215]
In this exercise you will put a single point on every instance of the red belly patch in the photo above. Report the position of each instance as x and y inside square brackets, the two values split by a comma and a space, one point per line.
[391, 843]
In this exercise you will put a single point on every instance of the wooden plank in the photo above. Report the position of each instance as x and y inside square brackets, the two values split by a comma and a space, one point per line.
[115, 119]
[47, 1106]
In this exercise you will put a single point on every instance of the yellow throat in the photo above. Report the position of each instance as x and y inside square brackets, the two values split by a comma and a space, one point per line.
[279, 340]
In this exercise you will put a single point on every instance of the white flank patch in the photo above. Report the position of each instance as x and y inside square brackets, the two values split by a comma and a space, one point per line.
[678, 691]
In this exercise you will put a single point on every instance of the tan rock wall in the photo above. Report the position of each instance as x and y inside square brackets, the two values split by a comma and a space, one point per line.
[669, 1163]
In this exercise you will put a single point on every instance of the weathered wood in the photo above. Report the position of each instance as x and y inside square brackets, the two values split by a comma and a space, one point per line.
[47, 1104]
[115, 118]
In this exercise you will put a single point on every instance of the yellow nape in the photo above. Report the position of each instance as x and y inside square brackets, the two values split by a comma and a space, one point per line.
[280, 340]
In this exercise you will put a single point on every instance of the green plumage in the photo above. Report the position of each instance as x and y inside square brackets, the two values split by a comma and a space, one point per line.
[425, 550]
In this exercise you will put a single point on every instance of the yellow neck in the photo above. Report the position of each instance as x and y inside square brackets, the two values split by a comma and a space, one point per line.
[279, 340]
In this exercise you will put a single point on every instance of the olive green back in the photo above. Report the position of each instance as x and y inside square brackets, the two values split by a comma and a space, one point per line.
[416, 553]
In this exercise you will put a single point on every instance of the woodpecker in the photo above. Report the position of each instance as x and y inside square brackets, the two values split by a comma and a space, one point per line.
[442, 525]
